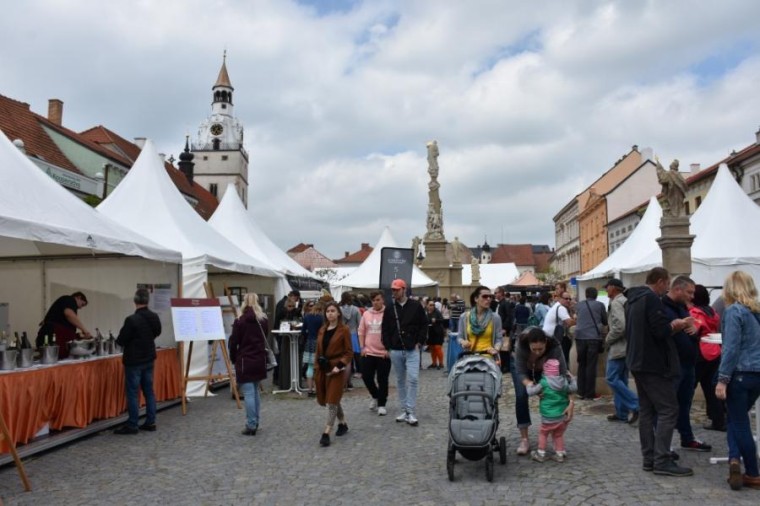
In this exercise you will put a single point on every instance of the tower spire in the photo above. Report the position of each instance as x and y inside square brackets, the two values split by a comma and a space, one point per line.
[224, 78]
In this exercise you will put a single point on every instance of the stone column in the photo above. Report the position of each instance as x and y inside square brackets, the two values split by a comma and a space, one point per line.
[675, 244]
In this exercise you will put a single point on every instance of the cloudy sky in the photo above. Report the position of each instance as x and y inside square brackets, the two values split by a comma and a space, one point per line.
[529, 101]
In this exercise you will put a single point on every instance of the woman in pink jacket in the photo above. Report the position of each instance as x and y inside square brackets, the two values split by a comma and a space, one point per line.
[374, 356]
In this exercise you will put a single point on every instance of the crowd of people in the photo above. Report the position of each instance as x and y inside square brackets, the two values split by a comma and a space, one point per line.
[653, 332]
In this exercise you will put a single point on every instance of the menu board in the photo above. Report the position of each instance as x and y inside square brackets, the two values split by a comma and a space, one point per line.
[197, 320]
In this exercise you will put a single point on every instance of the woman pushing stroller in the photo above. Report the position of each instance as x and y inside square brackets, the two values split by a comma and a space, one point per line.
[480, 328]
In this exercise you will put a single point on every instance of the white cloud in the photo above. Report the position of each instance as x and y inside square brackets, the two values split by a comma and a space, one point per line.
[529, 102]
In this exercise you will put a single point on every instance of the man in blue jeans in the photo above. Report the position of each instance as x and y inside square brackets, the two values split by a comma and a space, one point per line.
[137, 338]
[626, 401]
[404, 332]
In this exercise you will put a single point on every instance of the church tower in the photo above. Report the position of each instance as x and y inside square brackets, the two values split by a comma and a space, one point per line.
[220, 157]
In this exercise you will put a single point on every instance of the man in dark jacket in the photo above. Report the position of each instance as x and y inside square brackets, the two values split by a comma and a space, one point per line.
[137, 337]
[404, 332]
[680, 294]
[653, 360]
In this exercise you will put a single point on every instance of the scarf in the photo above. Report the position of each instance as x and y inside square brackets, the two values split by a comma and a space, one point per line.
[479, 326]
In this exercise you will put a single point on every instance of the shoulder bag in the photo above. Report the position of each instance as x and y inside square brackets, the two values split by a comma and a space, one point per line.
[271, 358]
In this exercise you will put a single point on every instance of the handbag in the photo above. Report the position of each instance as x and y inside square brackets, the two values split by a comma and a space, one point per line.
[600, 331]
[559, 329]
[271, 358]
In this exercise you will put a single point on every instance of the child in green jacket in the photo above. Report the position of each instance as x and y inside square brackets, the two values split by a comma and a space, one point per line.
[555, 393]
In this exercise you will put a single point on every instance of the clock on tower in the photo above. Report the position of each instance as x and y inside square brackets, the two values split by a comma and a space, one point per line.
[217, 129]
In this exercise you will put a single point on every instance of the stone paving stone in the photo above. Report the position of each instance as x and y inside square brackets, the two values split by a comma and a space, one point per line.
[202, 459]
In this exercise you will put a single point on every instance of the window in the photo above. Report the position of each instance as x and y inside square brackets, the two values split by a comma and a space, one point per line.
[686, 206]
[205, 157]
[212, 189]
[630, 227]
[698, 202]
[224, 158]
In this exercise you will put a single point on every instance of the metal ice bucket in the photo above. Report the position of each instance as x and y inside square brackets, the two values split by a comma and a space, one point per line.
[25, 358]
[49, 354]
[101, 348]
[8, 360]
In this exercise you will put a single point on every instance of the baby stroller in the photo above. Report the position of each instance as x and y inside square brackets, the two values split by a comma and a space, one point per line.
[474, 388]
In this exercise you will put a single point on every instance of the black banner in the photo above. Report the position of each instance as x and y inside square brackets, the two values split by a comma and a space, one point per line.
[395, 263]
[305, 284]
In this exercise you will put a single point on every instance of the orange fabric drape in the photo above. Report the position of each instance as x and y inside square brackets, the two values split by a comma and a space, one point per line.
[73, 394]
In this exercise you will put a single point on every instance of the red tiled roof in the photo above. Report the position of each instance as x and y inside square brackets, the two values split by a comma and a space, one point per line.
[519, 254]
[17, 121]
[542, 260]
[298, 248]
[106, 138]
[356, 257]
[731, 160]
[312, 259]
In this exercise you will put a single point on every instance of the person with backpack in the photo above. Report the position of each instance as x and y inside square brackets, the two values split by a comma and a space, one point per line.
[522, 315]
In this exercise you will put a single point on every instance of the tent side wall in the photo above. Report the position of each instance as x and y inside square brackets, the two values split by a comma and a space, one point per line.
[258, 284]
[30, 286]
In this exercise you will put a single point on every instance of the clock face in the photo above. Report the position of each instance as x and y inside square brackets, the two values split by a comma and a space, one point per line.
[217, 129]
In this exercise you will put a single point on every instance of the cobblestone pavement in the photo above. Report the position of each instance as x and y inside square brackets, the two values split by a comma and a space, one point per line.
[202, 458]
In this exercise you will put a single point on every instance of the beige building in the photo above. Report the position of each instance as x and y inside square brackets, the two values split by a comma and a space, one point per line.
[581, 226]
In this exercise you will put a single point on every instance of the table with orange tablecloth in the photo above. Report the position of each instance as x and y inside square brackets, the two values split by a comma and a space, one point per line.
[74, 393]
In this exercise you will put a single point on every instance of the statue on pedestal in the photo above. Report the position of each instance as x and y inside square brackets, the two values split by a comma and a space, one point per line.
[435, 208]
[475, 266]
[674, 189]
[457, 248]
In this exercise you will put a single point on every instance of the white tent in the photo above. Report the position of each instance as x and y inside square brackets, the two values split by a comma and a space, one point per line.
[54, 244]
[235, 222]
[727, 237]
[491, 275]
[727, 230]
[367, 275]
[147, 201]
[635, 249]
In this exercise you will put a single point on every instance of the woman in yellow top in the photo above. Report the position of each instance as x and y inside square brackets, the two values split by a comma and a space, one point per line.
[480, 328]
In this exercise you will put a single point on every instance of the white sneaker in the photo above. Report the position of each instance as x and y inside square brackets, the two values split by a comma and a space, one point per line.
[373, 405]
[402, 417]
[381, 411]
[411, 420]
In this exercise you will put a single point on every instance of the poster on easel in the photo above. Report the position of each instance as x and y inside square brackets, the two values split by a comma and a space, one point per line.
[197, 320]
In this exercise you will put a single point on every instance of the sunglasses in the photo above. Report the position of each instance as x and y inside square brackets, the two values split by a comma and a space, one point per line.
[486, 296]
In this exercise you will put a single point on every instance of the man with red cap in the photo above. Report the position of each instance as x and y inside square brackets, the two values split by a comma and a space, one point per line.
[404, 332]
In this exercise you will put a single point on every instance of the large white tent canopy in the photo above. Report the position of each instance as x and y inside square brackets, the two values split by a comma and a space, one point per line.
[367, 275]
[147, 201]
[54, 244]
[727, 238]
[235, 222]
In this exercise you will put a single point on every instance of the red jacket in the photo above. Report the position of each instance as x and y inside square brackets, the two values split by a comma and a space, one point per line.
[706, 323]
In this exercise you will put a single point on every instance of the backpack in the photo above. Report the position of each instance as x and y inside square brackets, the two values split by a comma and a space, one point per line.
[533, 321]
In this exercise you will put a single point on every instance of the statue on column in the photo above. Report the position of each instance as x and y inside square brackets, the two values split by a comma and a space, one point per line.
[435, 208]
[674, 189]
[457, 249]
[475, 268]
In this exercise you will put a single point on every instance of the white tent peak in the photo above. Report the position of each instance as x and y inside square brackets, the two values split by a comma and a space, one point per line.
[147, 201]
[367, 275]
[236, 223]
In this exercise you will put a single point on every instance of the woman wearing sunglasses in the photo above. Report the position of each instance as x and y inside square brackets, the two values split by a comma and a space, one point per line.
[480, 328]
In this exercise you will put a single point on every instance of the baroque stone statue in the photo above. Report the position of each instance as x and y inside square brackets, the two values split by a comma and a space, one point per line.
[475, 266]
[457, 249]
[674, 189]
[435, 208]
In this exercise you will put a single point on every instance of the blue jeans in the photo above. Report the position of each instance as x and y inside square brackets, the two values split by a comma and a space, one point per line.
[743, 391]
[252, 403]
[136, 377]
[522, 409]
[407, 367]
[617, 378]
[685, 394]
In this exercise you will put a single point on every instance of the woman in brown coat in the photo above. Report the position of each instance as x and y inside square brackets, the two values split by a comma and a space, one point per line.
[334, 353]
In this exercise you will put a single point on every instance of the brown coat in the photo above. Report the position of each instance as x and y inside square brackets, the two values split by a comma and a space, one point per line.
[330, 388]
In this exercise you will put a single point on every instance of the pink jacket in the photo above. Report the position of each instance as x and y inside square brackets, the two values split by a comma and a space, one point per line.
[370, 333]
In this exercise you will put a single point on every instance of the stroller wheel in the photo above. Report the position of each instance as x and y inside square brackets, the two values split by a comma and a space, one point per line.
[503, 450]
[489, 466]
[450, 454]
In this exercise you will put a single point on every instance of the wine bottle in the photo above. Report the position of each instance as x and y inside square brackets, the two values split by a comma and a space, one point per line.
[25, 344]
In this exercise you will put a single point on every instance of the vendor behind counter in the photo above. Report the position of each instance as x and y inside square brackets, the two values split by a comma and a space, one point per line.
[63, 321]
